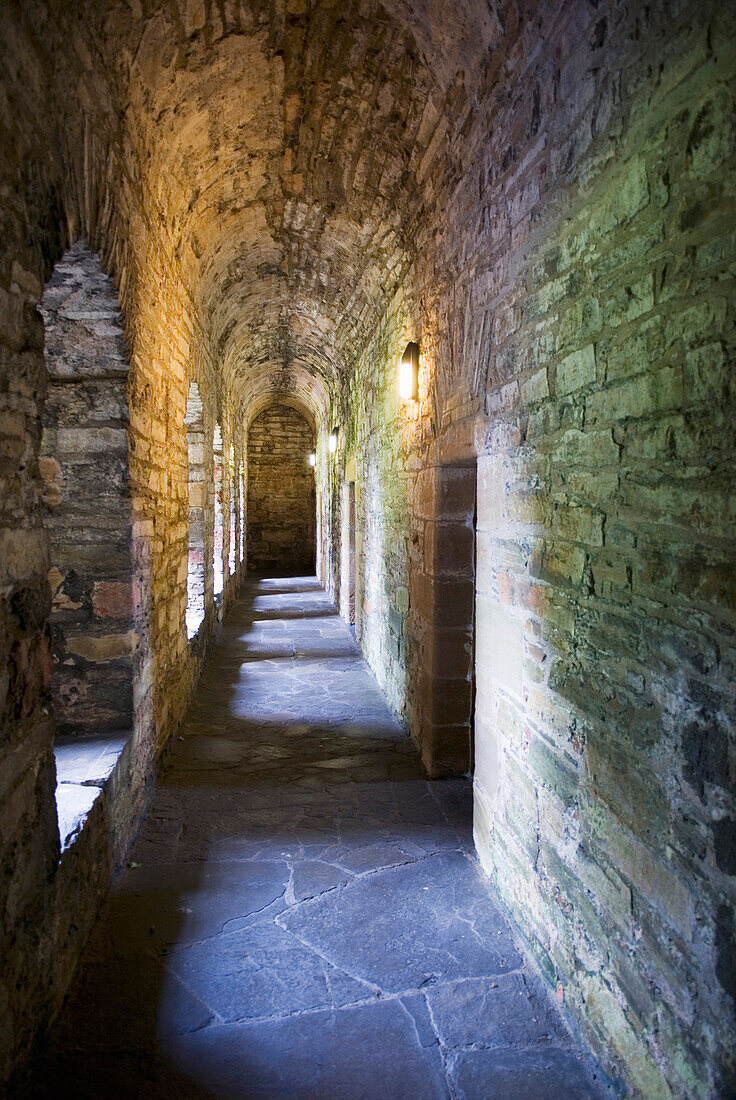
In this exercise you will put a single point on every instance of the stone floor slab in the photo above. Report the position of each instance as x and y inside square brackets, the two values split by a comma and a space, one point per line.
[302, 914]
[357, 1054]
[550, 1074]
[409, 926]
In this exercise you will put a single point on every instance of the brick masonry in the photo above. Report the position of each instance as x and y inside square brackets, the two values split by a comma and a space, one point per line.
[47, 904]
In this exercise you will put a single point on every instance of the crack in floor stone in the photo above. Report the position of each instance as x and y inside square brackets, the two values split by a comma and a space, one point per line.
[303, 909]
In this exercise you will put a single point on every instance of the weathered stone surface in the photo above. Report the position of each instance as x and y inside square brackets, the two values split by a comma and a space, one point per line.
[362, 1046]
[541, 195]
[88, 499]
[281, 532]
[302, 914]
[551, 1075]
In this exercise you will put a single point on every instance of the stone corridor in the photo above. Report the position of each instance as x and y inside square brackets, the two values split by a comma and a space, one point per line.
[303, 914]
[433, 301]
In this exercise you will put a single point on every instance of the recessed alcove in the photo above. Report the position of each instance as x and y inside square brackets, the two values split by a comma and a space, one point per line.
[88, 514]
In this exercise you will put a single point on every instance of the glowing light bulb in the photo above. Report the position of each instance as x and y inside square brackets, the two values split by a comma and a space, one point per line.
[332, 441]
[409, 373]
[406, 381]
[312, 459]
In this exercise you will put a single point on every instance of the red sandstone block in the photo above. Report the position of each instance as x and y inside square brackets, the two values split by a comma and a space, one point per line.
[424, 494]
[449, 549]
[448, 653]
[445, 749]
[456, 491]
[444, 702]
[445, 492]
[446, 603]
[113, 599]
[516, 591]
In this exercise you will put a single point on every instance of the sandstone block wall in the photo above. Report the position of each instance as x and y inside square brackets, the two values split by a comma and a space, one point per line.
[29, 842]
[605, 597]
[196, 470]
[378, 438]
[574, 305]
[348, 552]
[88, 514]
[440, 622]
[542, 196]
[219, 499]
[281, 531]
[61, 179]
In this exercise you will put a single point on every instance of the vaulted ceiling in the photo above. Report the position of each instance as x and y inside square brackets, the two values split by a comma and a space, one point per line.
[291, 152]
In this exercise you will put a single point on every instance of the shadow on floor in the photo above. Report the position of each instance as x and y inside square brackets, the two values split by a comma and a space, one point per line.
[302, 915]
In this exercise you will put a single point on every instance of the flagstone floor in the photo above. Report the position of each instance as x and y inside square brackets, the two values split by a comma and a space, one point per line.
[303, 915]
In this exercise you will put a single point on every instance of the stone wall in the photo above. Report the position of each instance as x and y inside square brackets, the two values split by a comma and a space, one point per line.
[440, 624]
[220, 500]
[540, 195]
[84, 466]
[61, 178]
[196, 516]
[574, 305]
[29, 843]
[378, 442]
[281, 497]
[348, 559]
[605, 579]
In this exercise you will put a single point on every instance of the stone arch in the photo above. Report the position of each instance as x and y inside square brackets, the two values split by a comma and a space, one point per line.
[310, 411]
[88, 514]
[241, 513]
[218, 564]
[194, 422]
[232, 559]
[281, 505]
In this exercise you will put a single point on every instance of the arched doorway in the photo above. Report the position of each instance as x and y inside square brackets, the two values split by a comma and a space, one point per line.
[281, 493]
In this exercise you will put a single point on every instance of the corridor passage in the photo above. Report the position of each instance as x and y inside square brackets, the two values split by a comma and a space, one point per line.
[303, 915]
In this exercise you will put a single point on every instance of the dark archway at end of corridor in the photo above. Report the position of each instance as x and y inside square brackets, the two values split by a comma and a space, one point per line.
[282, 530]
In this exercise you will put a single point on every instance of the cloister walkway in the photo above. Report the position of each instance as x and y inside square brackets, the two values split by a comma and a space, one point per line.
[303, 915]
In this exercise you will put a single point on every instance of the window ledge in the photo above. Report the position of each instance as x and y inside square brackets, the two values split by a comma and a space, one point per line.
[83, 767]
[194, 620]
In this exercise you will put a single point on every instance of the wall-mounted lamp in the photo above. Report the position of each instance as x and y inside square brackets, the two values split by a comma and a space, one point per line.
[312, 459]
[409, 373]
[332, 441]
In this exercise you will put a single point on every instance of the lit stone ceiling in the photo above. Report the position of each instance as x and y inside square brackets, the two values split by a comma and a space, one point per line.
[289, 149]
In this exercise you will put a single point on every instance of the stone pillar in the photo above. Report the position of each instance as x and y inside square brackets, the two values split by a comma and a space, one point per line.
[218, 564]
[197, 500]
[441, 618]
